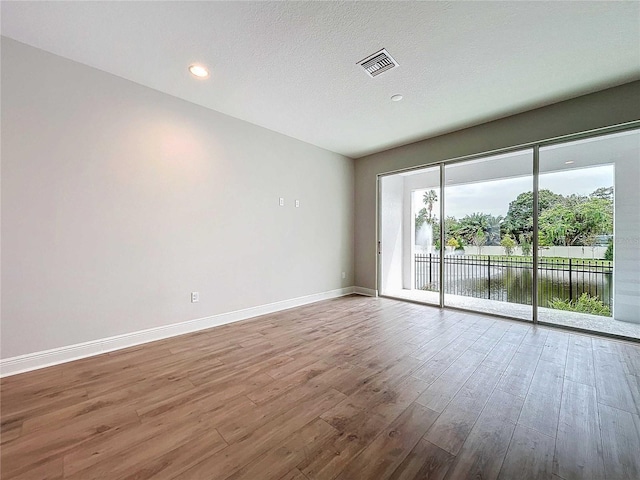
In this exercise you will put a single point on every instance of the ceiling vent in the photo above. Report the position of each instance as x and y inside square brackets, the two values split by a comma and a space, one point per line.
[378, 63]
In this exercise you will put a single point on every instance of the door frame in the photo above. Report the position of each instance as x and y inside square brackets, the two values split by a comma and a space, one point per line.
[535, 147]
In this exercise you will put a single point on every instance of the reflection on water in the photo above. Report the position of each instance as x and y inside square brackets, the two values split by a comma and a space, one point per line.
[512, 280]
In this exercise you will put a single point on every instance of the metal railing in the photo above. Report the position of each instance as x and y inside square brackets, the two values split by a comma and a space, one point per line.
[510, 279]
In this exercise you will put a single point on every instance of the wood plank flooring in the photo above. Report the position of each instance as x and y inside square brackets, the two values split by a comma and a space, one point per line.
[352, 388]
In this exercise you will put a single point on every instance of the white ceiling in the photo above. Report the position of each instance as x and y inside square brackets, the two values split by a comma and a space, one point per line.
[291, 66]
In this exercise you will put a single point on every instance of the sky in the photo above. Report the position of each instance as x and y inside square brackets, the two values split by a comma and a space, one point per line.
[494, 196]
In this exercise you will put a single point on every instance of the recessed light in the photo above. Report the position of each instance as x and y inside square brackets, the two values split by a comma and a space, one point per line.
[568, 162]
[199, 71]
[396, 98]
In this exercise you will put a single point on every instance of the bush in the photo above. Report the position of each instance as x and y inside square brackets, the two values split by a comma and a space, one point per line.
[525, 244]
[508, 244]
[608, 254]
[452, 242]
[585, 304]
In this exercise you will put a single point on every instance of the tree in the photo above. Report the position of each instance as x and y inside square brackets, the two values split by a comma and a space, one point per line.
[525, 243]
[543, 241]
[493, 231]
[421, 218]
[568, 221]
[425, 214]
[468, 226]
[605, 193]
[576, 220]
[429, 198]
[556, 226]
[519, 219]
[608, 254]
[508, 243]
[479, 240]
[451, 227]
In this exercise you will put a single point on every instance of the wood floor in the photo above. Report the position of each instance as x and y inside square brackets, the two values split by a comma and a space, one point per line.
[353, 388]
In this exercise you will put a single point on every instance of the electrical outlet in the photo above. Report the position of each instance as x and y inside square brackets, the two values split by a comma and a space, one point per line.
[195, 297]
[281, 202]
[297, 203]
[344, 275]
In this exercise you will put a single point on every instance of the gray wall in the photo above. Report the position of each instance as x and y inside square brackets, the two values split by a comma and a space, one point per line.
[118, 201]
[608, 107]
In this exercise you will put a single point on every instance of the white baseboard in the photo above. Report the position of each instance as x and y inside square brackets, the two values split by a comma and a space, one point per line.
[46, 358]
[369, 292]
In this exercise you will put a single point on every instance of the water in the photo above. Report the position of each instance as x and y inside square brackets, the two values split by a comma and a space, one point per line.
[424, 237]
[474, 278]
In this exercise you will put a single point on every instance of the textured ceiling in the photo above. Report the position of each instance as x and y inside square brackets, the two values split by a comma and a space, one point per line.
[291, 66]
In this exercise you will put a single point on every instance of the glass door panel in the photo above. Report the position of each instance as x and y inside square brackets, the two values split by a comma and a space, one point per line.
[589, 225]
[488, 265]
[409, 234]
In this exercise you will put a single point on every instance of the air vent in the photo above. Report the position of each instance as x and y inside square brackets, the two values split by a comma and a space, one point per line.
[378, 63]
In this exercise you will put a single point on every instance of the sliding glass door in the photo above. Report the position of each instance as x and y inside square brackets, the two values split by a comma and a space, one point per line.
[589, 226]
[409, 235]
[488, 207]
[585, 234]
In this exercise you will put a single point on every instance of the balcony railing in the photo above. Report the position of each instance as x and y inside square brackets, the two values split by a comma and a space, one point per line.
[510, 279]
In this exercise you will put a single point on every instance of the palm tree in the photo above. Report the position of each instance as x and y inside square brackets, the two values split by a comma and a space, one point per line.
[493, 229]
[470, 224]
[429, 198]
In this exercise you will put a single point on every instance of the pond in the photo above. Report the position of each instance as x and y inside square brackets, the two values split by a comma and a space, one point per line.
[511, 279]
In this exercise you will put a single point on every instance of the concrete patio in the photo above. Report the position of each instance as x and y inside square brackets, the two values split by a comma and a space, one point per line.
[558, 317]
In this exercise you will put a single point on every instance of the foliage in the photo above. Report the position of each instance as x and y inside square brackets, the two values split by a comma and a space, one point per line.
[421, 217]
[519, 219]
[508, 243]
[493, 233]
[469, 225]
[567, 221]
[479, 240]
[525, 244]
[452, 242]
[573, 220]
[608, 254]
[429, 198]
[467, 228]
[543, 241]
[425, 215]
[584, 304]
[605, 193]
[576, 221]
